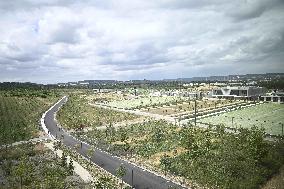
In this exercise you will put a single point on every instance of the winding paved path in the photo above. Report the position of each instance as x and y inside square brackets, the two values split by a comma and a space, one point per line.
[142, 179]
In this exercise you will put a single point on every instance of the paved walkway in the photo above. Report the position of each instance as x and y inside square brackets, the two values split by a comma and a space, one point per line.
[33, 140]
[78, 169]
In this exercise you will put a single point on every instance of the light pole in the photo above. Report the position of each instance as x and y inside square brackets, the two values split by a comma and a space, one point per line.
[233, 122]
[195, 111]
[132, 178]
[282, 128]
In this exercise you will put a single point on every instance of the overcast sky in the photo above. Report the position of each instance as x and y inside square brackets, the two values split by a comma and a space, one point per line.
[49, 41]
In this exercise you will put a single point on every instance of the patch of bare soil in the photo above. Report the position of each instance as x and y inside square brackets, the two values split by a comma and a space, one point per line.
[276, 182]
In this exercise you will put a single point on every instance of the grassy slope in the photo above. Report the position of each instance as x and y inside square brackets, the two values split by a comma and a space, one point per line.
[38, 167]
[215, 159]
[19, 117]
[77, 111]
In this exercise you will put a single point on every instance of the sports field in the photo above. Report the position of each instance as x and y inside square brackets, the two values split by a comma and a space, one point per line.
[270, 116]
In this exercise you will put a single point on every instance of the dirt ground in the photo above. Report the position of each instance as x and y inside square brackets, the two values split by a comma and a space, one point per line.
[187, 107]
[276, 182]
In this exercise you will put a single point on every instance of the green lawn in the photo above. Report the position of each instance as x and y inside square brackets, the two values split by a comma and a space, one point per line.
[270, 116]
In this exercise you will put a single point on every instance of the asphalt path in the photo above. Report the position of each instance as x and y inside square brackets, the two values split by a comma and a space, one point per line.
[140, 179]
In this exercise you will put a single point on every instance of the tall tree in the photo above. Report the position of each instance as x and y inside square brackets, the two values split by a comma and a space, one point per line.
[90, 154]
[121, 172]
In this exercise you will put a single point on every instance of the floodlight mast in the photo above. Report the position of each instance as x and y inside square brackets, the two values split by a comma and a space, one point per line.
[195, 112]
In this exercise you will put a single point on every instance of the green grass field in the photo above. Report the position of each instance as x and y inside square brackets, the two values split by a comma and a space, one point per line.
[270, 116]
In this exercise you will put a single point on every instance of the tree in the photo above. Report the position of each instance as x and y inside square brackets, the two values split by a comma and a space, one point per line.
[110, 133]
[120, 172]
[64, 160]
[23, 170]
[57, 146]
[165, 162]
[187, 137]
[158, 135]
[90, 154]
[104, 182]
[71, 167]
[123, 135]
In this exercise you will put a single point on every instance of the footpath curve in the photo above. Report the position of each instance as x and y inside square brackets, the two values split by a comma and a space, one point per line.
[141, 178]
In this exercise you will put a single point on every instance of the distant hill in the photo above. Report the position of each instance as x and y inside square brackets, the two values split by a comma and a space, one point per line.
[246, 77]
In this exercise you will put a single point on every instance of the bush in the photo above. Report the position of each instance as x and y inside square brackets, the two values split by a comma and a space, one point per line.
[224, 160]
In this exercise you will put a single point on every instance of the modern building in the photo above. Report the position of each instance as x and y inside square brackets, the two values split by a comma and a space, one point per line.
[273, 97]
[103, 90]
[243, 92]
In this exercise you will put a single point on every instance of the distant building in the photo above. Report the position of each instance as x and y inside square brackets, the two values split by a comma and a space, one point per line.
[103, 90]
[218, 84]
[244, 92]
[277, 96]
[156, 93]
[83, 83]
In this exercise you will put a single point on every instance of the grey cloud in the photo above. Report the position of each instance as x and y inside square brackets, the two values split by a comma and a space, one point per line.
[13, 52]
[143, 54]
[134, 67]
[258, 47]
[189, 4]
[63, 32]
[247, 12]
[66, 34]
[14, 5]
[244, 10]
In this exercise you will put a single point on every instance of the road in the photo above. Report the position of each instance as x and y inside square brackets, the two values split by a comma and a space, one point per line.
[142, 179]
